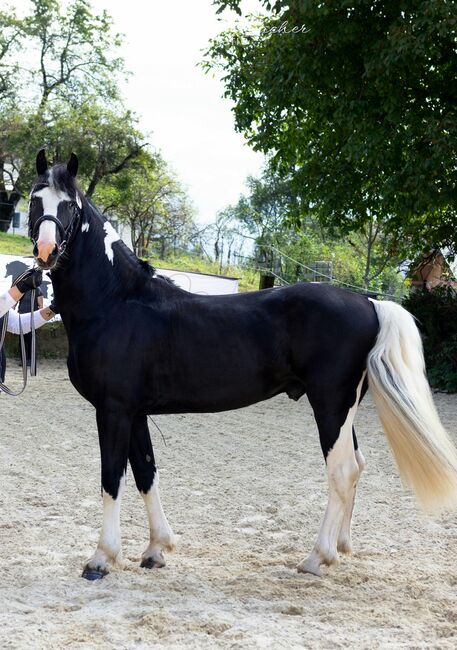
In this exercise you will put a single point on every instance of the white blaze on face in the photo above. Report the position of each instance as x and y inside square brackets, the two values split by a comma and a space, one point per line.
[51, 199]
[111, 236]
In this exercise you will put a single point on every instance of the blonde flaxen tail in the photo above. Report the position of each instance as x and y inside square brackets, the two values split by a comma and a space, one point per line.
[424, 453]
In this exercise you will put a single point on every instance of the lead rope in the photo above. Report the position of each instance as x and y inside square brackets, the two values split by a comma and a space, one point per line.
[3, 387]
[32, 330]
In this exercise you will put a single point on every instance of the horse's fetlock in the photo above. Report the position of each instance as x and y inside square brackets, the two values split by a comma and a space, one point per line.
[165, 539]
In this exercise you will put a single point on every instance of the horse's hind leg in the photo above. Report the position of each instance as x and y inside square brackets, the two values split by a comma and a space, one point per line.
[114, 433]
[334, 419]
[344, 544]
[142, 461]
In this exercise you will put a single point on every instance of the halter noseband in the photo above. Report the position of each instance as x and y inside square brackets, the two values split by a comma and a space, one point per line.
[65, 234]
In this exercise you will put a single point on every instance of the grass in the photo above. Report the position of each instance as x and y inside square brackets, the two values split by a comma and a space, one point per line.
[14, 244]
[248, 279]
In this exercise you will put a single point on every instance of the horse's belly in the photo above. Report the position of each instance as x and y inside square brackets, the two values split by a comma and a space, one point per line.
[212, 394]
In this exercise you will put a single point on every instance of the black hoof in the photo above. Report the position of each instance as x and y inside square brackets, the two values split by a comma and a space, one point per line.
[94, 574]
[151, 563]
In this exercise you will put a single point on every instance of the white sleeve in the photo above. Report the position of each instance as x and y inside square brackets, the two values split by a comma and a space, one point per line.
[6, 302]
[13, 321]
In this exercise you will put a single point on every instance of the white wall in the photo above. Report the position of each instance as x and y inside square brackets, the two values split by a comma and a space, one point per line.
[214, 285]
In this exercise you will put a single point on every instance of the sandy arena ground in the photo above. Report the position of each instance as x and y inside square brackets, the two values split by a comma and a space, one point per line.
[245, 493]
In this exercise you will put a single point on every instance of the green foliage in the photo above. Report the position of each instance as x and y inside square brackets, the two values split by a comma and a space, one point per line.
[63, 96]
[71, 53]
[150, 200]
[436, 313]
[106, 140]
[358, 110]
[265, 215]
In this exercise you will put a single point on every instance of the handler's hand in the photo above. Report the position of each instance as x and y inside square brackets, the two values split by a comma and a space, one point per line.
[30, 279]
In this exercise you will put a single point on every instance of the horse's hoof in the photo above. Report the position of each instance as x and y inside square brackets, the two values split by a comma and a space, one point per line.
[310, 566]
[94, 574]
[152, 563]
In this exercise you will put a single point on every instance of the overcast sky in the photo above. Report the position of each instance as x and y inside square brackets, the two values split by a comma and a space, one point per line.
[179, 105]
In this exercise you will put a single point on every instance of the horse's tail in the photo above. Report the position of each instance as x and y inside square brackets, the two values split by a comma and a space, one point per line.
[425, 455]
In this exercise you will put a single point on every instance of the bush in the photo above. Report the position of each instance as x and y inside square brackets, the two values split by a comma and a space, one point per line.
[436, 314]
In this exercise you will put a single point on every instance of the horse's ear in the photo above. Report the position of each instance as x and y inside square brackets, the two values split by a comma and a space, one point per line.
[41, 162]
[72, 165]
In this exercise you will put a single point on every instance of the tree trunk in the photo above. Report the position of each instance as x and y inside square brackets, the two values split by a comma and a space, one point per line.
[163, 248]
[8, 203]
[267, 281]
[370, 239]
[93, 184]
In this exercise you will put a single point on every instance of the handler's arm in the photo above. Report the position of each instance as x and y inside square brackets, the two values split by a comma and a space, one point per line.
[30, 279]
[40, 317]
[9, 299]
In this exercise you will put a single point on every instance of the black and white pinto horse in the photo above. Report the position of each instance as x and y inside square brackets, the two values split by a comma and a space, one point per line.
[139, 345]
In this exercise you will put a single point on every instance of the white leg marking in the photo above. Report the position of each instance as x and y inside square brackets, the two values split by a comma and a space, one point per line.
[342, 472]
[344, 544]
[160, 533]
[109, 544]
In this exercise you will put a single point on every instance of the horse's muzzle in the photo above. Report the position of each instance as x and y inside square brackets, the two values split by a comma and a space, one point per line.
[46, 255]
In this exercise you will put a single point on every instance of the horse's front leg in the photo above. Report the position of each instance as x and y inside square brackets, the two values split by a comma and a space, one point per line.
[142, 461]
[114, 430]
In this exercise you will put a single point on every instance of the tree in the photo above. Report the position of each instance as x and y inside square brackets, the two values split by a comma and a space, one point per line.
[150, 200]
[71, 53]
[67, 100]
[11, 29]
[265, 217]
[357, 107]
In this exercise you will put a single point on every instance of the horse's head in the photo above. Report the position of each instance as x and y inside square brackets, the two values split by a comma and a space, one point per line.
[54, 210]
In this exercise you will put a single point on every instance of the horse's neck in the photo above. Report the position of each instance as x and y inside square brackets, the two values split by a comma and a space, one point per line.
[89, 282]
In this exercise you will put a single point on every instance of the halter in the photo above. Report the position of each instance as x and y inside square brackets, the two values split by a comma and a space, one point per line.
[66, 234]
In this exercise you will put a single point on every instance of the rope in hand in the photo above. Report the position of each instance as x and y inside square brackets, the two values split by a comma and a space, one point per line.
[3, 387]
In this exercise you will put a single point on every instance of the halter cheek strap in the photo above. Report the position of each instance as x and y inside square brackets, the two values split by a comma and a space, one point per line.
[65, 235]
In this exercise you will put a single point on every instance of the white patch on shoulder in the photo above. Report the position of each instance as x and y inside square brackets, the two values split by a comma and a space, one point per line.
[85, 227]
[110, 237]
